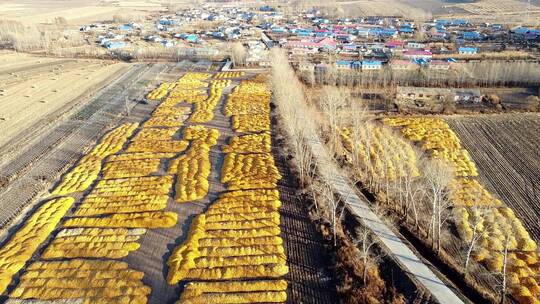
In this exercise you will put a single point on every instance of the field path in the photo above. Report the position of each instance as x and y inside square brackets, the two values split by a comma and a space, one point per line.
[394, 245]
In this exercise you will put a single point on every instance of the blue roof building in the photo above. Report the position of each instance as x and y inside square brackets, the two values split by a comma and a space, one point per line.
[371, 65]
[472, 35]
[467, 50]
[343, 64]
[113, 45]
[125, 27]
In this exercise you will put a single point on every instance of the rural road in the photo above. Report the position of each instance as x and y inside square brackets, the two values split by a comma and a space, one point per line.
[411, 263]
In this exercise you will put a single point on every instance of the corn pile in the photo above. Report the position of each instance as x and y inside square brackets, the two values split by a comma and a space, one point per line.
[382, 154]
[469, 192]
[87, 170]
[237, 242]
[157, 137]
[479, 213]
[204, 110]
[249, 106]
[436, 137]
[160, 91]
[492, 226]
[250, 143]
[222, 75]
[82, 281]
[237, 238]
[113, 243]
[109, 222]
[193, 167]
[248, 98]
[24, 243]
[249, 171]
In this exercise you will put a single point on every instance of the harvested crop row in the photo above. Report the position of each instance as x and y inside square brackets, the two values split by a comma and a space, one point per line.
[238, 237]
[493, 227]
[380, 153]
[20, 248]
[222, 75]
[193, 167]
[249, 171]
[87, 170]
[250, 143]
[89, 281]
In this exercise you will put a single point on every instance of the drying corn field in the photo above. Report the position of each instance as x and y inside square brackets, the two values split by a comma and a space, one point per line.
[190, 204]
[506, 149]
[493, 158]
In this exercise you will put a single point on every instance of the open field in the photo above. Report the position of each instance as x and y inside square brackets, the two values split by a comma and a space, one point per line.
[75, 12]
[33, 88]
[506, 149]
[196, 211]
[506, 11]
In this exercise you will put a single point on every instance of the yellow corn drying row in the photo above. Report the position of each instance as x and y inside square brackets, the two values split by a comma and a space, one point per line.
[251, 123]
[160, 91]
[249, 171]
[250, 143]
[496, 228]
[158, 140]
[222, 75]
[436, 137]
[381, 153]
[22, 245]
[238, 237]
[481, 215]
[193, 167]
[232, 241]
[139, 156]
[261, 291]
[167, 114]
[156, 219]
[204, 110]
[83, 281]
[248, 98]
[87, 169]
[469, 192]
[113, 243]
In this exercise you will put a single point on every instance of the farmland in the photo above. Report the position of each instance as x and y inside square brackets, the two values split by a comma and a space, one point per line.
[74, 11]
[186, 186]
[34, 89]
[505, 148]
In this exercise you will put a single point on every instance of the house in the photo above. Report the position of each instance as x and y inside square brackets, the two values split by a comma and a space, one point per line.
[343, 64]
[356, 65]
[439, 65]
[397, 64]
[193, 38]
[371, 65]
[126, 27]
[394, 44]
[113, 45]
[324, 43]
[467, 50]
[415, 45]
[471, 35]
[417, 54]
[167, 43]
[350, 47]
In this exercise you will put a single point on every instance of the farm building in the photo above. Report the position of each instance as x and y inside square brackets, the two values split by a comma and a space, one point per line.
[371, 65]
[467, 50]
[414, 54]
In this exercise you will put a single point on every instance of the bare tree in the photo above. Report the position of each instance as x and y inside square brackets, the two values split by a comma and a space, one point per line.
[238, 54]
[333, 205]
[478, 232]
[366, 242]
[437, 175]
